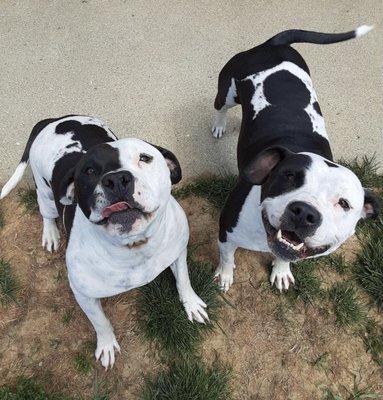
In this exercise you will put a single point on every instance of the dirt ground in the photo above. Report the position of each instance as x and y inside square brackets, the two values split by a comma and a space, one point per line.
[295, 357]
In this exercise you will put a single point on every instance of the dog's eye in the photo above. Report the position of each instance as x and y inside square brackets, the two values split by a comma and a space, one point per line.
[344, 204]
[289, 175]
[146, 158]
[89, 171]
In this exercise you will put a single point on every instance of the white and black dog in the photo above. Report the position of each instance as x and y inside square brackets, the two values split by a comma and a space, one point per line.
[290, 199]
[113, 196]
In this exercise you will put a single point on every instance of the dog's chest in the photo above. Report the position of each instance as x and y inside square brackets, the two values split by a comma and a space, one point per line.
[249, 232]
[286, 91]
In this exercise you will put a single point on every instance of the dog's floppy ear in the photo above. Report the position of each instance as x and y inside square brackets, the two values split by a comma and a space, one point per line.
[258, 169]
[173, 164]
[66, 188]
[371, 206]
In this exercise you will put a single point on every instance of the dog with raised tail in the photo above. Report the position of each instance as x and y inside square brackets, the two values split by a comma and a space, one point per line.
[291, 199]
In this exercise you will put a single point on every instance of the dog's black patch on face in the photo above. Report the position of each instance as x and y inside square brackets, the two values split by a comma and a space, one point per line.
[87, 134]
[317, 108]
[330, 164]
[288, 175]
[100, 159]
[284, 89]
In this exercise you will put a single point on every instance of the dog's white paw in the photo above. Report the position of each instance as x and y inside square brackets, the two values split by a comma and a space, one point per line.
[51, 236]
[195, 308]
[105, 350]
[218, 131]
[224, 277]
[281, 276]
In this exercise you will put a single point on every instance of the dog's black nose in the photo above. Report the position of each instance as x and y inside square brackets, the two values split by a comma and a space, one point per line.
[304, 216]
[120, 183]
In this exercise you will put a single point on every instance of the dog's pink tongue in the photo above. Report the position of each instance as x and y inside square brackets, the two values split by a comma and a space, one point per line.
[107, 211]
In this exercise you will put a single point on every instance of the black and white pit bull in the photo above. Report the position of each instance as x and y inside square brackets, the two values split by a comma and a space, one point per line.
[290, 199]
[113, 197]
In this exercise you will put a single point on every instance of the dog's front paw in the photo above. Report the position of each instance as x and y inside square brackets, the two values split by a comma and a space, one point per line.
[195, 308]
[218, 131]
[281, 276]
[105, 349]
[51, 237]
[225, 277]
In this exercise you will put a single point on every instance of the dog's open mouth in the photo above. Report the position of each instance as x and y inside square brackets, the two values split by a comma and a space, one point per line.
[287, 244]
[122, 212]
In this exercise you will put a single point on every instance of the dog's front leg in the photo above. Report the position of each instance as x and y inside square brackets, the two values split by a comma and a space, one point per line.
[194, 306]
[106, 341]
[281, 274]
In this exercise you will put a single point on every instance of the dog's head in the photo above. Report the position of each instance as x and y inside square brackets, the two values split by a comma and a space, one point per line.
[122, 185]
[310, 205]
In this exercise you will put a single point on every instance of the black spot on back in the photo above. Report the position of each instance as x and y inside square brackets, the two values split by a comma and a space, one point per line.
[317, 108]
[87, 134]
[282, 88]
[75, 144]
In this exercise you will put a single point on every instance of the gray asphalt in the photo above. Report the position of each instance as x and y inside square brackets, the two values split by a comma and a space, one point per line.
[150, 70]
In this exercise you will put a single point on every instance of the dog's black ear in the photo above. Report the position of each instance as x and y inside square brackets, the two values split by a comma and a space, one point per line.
[258, 169]
[66, 188]
[173, 164]
[371, 206]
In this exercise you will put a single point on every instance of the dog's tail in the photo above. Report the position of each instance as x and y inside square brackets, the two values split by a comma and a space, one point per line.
[298, 36]
[20, 169]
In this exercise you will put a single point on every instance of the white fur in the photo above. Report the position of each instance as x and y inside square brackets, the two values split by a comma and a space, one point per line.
[362, 30]
[14, 180]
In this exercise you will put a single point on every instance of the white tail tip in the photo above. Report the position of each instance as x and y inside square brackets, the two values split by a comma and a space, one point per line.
[15, 179]
[362, 30]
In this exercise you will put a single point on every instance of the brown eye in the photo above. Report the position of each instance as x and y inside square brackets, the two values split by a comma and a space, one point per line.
[289, 175]
[344, 204]
[146, 158]
[90, 171]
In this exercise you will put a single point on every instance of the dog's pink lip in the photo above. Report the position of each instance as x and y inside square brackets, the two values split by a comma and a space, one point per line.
[116, 207]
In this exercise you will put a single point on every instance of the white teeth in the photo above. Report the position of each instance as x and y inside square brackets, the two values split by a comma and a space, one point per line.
[299, 246]
[279, 235]
[287, 243]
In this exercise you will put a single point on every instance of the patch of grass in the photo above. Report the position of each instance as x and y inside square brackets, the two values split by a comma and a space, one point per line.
[337, 262]
[162, 316]
[366, 169]
[28, 389]
[368, 268]
[347, 309]
[373, 341]
[67, 316]
[190, 380]
[307, 284]
[28, 198]
[8, 283]
[355, 393]
[215, 189]
[100, 390]
[84, 362]
[2, 219]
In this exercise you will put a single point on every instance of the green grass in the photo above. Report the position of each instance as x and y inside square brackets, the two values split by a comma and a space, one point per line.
[28, 198]
[347, 309]
[355, 393]
[162, 316]
[368, 268]
[190, 380]
[307, 284]
[28, 389]
[2, 219]
[215, 189]
[67, 316]
[366, 169]
[337, 262]
[83, 362]
[373, 340]
[8, 283]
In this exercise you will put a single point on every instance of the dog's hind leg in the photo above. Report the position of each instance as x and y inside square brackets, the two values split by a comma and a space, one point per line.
[226, 98]
[225, 270]
[194, 306]
[48, 210]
